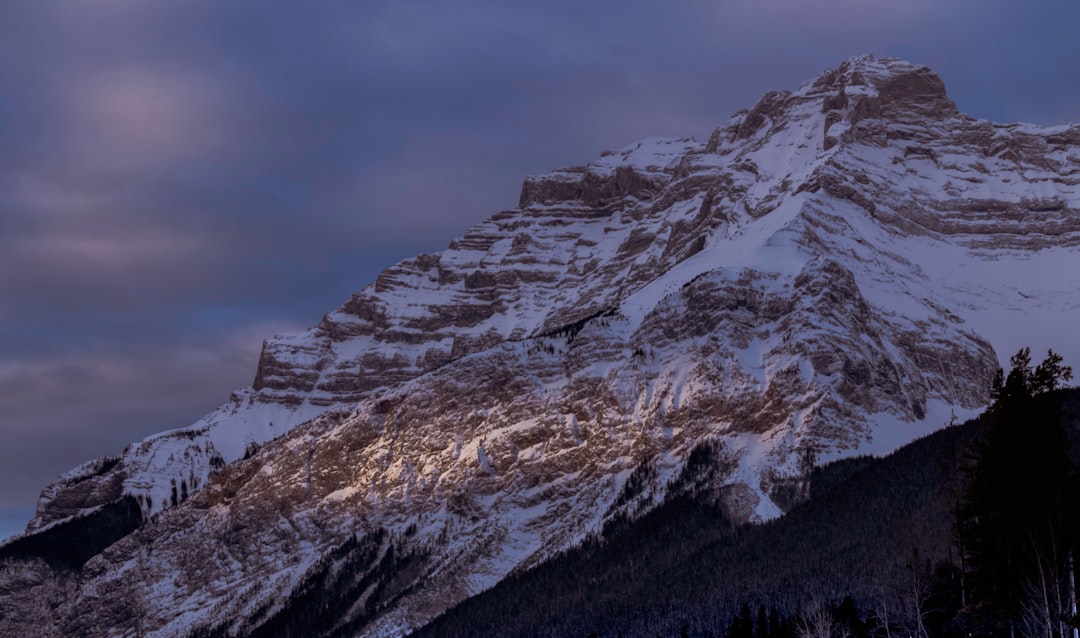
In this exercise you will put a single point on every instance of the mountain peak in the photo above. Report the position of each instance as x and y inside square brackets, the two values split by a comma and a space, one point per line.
[903, 90]
[870, 65]
[856, 101]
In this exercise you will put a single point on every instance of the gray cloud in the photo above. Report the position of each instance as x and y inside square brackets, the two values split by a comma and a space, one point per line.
[63, 407]
[179, 178]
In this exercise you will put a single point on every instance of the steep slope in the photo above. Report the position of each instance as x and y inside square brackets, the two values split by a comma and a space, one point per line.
[829, 274]
[684, 564]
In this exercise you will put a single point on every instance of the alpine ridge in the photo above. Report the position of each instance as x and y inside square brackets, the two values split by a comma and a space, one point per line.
[834, 271]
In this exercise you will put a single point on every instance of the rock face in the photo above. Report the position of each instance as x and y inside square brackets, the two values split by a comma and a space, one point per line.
[835, 271]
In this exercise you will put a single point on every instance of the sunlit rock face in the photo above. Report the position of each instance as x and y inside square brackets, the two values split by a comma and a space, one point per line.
[836, 270]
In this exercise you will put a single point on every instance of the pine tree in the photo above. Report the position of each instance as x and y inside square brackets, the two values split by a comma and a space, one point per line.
[762, 628]
[1013, 515]
[734, 630]
[775, 628]
[746, 621]
[1018, 383]
[847, 615]
[1050, 374]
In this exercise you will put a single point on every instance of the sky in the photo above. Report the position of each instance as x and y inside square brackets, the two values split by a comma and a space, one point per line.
[180, 179]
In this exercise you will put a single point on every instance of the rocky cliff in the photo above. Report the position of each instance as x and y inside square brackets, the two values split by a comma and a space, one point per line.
[836, 270]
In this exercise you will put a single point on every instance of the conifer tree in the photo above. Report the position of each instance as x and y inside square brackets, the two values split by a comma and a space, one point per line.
[1013, 515]
[774, 623]
[746, 621]
[1050, 374]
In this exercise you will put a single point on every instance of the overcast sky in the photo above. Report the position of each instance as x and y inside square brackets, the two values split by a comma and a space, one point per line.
[181, 179]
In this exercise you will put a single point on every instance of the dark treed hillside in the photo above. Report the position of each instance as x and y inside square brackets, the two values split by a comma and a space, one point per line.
[882, 531]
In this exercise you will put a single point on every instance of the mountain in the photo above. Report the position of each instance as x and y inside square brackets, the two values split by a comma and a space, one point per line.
[868, 528]
[834, 272]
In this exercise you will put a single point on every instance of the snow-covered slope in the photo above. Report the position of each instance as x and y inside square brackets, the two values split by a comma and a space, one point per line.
[838, 269]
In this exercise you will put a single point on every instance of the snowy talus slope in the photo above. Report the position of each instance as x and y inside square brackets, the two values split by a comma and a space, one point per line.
[836, 270]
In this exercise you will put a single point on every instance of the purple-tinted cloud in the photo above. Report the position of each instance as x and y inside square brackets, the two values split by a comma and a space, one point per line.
[146, 118]
[62, 408]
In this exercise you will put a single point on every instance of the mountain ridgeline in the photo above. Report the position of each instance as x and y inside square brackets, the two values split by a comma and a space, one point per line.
[721, 334]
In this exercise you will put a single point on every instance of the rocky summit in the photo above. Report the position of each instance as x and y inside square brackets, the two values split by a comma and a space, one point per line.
[837, 270]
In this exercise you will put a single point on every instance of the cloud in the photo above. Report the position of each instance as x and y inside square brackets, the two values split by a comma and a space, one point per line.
[62, 409]
[831, 15]
[90, 228]
[145, 115]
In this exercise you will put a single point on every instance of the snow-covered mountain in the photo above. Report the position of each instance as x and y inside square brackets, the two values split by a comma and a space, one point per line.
[838, 269]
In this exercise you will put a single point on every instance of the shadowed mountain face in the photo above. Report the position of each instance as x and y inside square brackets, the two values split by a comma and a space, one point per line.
[829, 274]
